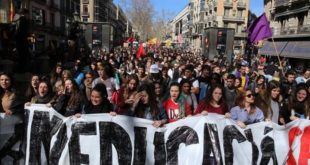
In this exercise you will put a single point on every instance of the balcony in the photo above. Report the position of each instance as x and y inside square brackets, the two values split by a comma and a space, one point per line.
[85, 1]
[233, 19]
[241, 34]
[292, 31]
[85, 14]
[228, 4]
[298, 1]
[281, 3]
[241, 5]
[211, 18]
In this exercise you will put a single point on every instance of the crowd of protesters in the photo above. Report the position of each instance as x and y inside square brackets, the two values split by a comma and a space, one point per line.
[166, 85]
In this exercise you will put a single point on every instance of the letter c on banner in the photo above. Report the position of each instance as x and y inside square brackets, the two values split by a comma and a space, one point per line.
[180, 135]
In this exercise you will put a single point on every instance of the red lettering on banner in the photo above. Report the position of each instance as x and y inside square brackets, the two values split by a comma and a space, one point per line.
[304, 153]
[295, 131]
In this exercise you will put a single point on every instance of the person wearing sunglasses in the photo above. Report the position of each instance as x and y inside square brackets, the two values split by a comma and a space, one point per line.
[245, 112]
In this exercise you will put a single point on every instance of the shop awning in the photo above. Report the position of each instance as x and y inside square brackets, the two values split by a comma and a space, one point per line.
[297, 49]
[269, 49]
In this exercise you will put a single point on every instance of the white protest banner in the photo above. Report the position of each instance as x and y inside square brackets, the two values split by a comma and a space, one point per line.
[103, 139]
[11, 139]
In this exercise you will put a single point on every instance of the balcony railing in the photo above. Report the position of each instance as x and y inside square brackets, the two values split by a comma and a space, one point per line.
[85, 1]
[233, 19]
[241, 5]
[303, 30]
[85, 14]
[241, 34]
[228, 4]
[281, 3]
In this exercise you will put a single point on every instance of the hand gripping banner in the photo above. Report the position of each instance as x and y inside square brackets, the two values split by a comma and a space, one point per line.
[103, 139]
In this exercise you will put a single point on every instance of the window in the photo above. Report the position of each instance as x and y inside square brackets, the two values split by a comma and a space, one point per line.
[210, 11]
[239, 28]
[3, 16]
[226, 12]
[283, 24]
[239, 13]
[85, 8]
[234, 12]
[38, 16]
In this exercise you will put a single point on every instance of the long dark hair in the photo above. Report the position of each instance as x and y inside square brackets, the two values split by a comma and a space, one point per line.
[127, 92]
[240, 100]
[209, 97]
[293, 99]
[30, 92]
[75, 94]
[153, 104]
[263, 101]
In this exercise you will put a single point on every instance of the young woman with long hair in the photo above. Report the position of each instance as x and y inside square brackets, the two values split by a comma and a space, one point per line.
[298, 106]
[189, 97]
[126, 95]
[32, 88]
[269, 101]
[56, 74]
[246, 111]
[69, 103]
[98, 102]
[214, 102]
[146, 106]
[11, 103]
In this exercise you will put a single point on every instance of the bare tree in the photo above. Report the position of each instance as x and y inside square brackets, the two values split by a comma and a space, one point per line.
[140, 13]
[161, 27]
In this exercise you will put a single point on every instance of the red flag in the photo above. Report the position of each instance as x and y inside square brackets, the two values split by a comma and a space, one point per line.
[131, 39]
[140, 52]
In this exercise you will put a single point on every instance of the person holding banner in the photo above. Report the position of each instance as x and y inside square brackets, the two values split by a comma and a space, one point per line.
[246, 111]
[69, 102]
[125, 97]
[98, 103]
[175, 106]
[146, 106]
[298, 106]
[11, 103]
[214, 102]
[44, 95]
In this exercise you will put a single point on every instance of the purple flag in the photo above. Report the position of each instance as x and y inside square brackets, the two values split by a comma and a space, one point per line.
[259, 29]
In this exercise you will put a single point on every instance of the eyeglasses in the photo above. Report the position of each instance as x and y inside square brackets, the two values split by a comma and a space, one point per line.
[249, 95]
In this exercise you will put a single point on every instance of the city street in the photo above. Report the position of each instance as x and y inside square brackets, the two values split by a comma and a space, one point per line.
[154, 82]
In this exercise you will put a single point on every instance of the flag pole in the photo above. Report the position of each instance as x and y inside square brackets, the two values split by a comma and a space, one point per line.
[278, 55]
